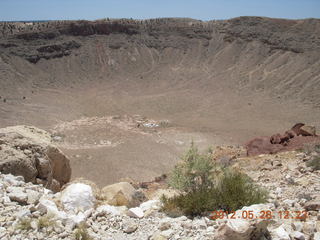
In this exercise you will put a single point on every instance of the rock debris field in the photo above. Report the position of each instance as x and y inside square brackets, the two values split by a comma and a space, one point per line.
[31, 211]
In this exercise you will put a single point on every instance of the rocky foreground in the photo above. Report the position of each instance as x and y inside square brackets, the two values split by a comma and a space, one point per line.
[81, 211]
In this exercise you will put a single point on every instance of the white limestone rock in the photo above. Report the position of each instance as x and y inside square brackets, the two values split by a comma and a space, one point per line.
[316, 236]
[150, 205]
[106, 210]
[47, 206]
[135, 212]
[280, 234]
[33, 196]
[77, 197]
[167, 233]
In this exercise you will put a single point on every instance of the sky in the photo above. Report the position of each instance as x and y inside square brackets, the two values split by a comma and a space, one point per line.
[19, 10]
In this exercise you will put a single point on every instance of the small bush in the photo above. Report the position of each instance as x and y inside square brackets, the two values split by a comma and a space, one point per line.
[170, 207]
[194, 172]
[207, 187]
[317, 148]
[81, 233]
[194, 203]
[314, 163]
[46, 221]
[24, 224]
[236, 190]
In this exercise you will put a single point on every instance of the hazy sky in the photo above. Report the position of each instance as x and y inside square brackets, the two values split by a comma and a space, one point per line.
[140, 9]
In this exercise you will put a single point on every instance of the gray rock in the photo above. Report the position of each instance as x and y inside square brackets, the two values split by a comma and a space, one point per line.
[309, 227]
[186, 225]
[44, 167]
[164, 226]
[130, 227]
[297, 226]
[289, 203]
[13, 180]
[23, 213]
[298, 236]
[312, 206]
[18, 195]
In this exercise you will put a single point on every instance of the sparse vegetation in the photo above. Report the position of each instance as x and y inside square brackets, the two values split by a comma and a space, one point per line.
[206, 187]
[81, 233]
[164, 124]
[309, 148]
[46, 221]
[236, 190]
[314, 151]
[314, 163]
[24, 224]
[194, 172]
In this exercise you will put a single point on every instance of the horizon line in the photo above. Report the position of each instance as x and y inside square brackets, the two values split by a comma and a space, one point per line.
[143, 19]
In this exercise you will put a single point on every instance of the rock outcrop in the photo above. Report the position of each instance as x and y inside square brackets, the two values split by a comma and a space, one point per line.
[293, 139]
[28, 152]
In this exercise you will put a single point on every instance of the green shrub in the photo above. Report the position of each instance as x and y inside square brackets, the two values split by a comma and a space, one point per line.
[236, 190]
[314, 163]
[194, 172]
[170, 207]
[207, 187]
[194, 203]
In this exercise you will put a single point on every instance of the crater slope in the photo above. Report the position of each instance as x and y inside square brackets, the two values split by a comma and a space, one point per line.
[214, 82]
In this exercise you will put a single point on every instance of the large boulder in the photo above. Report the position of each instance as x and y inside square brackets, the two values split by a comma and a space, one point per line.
[119, 194]
[308, 130]
[262, 145]
[28, 152]
[296, 128]
[77, 197]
